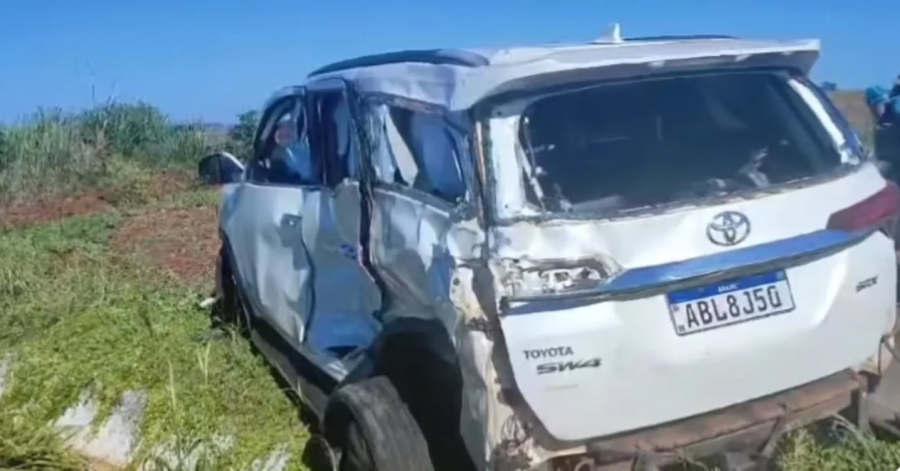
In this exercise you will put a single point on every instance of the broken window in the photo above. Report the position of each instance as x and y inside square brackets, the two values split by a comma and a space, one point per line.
[640, 143]
[419, 150]
[336, 139]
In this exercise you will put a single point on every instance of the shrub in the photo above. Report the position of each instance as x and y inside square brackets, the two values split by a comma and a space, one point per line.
[241, 135]
[53, 152]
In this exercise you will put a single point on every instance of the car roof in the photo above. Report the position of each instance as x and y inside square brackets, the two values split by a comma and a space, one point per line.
[457, 79]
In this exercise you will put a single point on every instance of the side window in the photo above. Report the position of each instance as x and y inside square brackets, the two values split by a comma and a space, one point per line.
[335, 140]
[284, 156]
[419, 150]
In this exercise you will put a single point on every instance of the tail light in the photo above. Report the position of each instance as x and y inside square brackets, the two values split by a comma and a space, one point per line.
[878, 211]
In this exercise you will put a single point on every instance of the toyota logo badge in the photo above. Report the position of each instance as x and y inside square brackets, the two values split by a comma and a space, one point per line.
[728, 228]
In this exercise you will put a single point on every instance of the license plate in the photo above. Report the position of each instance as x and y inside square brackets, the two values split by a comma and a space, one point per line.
[732, 302]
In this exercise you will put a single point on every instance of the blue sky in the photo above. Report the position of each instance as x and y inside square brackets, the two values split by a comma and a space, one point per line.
[212, 59]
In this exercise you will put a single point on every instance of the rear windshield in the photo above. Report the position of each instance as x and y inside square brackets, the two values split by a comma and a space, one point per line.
[635, 144]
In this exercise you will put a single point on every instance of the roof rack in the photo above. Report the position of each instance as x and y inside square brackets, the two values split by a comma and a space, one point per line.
[423, 56]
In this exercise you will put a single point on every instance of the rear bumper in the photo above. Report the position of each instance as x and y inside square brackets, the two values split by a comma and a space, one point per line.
[752, 426]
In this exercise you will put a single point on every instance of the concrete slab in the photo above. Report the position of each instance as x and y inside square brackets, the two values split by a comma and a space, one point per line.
[5, 369]
[116, 439]
[276, 461]
[884, 403]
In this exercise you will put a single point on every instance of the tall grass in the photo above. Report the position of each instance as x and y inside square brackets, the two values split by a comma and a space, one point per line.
[52, 152]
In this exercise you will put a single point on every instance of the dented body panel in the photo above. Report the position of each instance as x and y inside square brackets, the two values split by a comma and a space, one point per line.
[635, 339]
[579, 335]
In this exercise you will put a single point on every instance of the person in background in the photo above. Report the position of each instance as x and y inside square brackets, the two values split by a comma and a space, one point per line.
[885, 104]
[291, 162]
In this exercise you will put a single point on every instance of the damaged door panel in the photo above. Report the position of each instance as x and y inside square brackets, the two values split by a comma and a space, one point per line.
[413, 242]
[345, 295]
[264, 218]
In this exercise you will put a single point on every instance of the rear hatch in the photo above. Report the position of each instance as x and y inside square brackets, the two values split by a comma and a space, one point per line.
[684, 244]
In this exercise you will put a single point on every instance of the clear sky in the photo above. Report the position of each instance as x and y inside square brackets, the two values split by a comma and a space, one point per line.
[211, 59]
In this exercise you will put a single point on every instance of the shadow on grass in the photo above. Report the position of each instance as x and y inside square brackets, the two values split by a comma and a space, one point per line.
[317, 454]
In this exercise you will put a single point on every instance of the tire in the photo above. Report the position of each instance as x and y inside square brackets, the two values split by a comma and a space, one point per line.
[374, 429]
[230, 308]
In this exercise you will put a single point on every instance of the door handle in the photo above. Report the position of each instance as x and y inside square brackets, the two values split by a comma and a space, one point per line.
[291, 220]
[291, 223]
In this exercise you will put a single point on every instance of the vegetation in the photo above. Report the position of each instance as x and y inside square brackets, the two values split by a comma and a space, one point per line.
[241, 135]
[55, 153]
[79, 317]
[84, 311]
[837, 446]
[92, 303]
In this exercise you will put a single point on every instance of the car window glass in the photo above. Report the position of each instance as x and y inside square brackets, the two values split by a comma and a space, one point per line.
[336, 139]
[285, 157]
[419, 150]
[635, 144]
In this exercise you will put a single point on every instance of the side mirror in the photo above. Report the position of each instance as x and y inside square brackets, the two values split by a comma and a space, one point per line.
[220, 168]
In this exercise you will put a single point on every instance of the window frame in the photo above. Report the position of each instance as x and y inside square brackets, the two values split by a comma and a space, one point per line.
[294, 101]
[506, 207]
[316, 90]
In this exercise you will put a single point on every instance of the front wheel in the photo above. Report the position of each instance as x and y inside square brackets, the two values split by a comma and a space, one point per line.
[374, 429]
[229, 309]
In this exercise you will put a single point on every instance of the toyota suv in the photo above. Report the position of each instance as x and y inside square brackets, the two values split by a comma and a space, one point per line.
[568, 257]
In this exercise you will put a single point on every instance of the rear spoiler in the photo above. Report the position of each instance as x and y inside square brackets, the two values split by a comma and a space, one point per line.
[678, 57]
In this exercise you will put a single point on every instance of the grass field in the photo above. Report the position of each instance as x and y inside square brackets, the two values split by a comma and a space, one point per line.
[106, 247]
[107, 303]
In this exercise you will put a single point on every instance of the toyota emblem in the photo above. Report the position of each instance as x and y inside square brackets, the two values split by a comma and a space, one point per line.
[728, 228]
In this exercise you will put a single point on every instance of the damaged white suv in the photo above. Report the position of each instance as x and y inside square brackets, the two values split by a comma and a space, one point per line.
[561, 258]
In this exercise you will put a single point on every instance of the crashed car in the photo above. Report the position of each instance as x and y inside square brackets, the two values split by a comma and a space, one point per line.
[620, 253]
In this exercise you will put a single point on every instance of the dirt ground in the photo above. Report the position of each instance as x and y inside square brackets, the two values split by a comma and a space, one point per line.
[182, 241]
[45, 211]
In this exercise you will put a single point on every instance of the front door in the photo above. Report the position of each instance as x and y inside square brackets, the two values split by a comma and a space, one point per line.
[264, 223]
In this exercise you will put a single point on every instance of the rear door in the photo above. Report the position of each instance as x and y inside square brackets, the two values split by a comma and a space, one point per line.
[263, 220]
[346, 296]
[711, 241]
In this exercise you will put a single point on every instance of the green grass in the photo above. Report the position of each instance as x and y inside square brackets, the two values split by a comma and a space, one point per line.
[839, 448]
[78, 318]
[56, 153]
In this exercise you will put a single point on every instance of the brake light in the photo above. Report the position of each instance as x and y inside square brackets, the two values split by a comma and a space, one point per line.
[878, 211]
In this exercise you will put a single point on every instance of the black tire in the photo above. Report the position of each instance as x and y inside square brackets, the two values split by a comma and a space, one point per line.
[374, 429]
[230, 307]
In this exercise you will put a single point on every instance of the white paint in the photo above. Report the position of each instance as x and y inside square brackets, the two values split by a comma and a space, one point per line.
[264, 225]
[680, 235]
[807, 95]
[833, 326]
[459, 88]
[650, 375]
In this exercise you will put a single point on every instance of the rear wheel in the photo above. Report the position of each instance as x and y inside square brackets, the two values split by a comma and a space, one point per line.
[374, 429]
